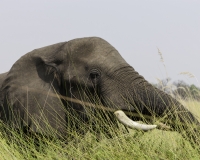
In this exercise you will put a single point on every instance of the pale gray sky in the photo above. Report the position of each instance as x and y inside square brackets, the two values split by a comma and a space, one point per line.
[136, 28]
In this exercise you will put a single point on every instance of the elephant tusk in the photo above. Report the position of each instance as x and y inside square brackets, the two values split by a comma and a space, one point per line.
[121, 116]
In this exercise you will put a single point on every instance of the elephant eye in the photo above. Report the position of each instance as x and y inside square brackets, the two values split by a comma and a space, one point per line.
[95, 75]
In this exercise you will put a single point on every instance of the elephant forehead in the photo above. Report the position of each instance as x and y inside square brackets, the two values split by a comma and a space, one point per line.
[85, 63]
[106, 58]
[92, 47]
[110, 60]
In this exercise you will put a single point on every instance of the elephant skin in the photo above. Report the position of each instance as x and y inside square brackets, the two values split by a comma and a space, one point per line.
[80, 68]
[2, 77]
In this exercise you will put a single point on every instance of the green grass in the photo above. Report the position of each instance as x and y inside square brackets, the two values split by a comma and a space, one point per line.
[155, 144]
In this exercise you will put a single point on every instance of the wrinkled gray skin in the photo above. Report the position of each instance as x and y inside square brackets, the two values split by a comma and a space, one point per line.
[91, 64]
[2, 77]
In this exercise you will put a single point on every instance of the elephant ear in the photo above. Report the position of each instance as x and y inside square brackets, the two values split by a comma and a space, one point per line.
[48, 70]
[30, 91]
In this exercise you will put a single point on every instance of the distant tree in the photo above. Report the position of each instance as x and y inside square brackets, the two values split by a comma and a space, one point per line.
[186, 91]
[195, 92]
[179, 89]
[165, 85]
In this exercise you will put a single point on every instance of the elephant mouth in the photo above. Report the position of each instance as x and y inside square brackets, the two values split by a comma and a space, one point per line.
[123, 118]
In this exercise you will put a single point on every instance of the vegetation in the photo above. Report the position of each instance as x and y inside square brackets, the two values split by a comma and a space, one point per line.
[107, 140]
[96, 144]
[179, 89]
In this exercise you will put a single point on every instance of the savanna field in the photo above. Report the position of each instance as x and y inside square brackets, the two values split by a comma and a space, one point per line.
[97, 80]
[131, 144]
[112, 143]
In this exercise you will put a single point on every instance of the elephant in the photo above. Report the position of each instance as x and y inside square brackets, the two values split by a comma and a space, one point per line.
[2, 77]
[33, 93]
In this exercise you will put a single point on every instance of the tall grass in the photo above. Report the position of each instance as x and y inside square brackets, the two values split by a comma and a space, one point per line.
[90, 143]
[103, 137]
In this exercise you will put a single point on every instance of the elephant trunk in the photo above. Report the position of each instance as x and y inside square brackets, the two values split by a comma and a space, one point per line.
[151, 101]
[137, 95]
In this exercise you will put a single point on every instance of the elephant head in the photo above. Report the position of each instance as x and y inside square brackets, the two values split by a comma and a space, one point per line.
[2, 77]
[82, 69]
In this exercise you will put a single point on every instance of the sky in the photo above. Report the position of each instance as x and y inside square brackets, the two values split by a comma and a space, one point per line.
[141, 30]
